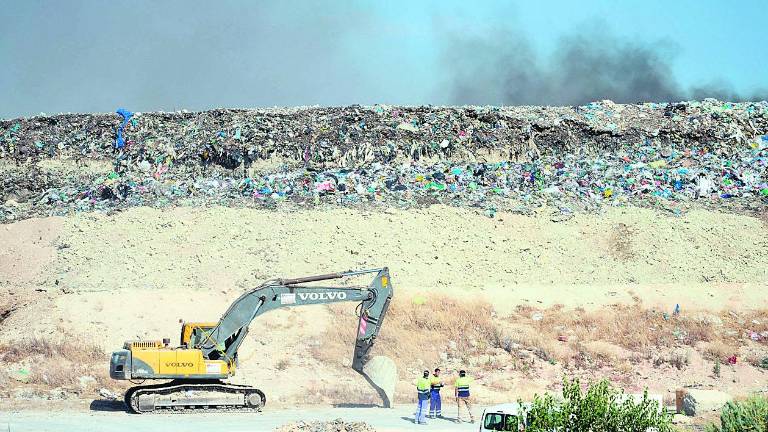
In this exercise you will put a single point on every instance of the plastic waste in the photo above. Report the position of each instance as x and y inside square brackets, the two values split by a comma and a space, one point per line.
[120, 139]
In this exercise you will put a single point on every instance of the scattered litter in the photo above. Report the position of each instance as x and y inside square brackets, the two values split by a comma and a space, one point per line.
[337, 425]
[562, 215]
[108, 394]
[408, 126]
[86, 380]
[22, 375]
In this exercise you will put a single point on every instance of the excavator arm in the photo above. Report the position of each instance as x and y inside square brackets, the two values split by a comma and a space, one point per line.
[225, 339]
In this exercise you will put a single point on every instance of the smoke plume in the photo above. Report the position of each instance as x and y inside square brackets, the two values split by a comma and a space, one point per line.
[504, 69]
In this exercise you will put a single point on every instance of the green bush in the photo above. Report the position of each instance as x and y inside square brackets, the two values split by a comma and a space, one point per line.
[749, 415]
[599, 408]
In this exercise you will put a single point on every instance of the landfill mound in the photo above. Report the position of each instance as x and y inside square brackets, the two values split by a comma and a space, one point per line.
[496, 158]
[337, 425]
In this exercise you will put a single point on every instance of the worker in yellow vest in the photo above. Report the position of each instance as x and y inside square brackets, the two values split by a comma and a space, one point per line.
[422, 392]
[461, 390]
[435, 403]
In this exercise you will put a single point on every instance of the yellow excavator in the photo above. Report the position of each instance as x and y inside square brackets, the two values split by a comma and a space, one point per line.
[207, 353]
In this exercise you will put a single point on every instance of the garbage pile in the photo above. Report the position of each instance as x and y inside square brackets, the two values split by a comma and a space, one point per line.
[337, 425]
[677, 155]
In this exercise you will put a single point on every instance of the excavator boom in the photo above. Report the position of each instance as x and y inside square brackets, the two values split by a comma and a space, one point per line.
[208, 353]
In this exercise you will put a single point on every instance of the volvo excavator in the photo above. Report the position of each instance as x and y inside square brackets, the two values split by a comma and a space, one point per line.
[207, 353]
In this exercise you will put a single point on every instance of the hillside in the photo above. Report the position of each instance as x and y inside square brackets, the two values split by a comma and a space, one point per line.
[492, 294]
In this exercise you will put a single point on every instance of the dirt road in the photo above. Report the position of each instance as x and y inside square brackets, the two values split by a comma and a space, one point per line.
[384, 420]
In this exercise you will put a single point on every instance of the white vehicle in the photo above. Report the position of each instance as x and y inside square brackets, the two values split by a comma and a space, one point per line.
[513, 417]
[505, 417]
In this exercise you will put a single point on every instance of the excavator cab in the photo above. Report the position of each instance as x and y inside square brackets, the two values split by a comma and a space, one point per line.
[193, 333]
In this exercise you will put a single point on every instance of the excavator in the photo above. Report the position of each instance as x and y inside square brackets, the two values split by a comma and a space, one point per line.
[207, 353]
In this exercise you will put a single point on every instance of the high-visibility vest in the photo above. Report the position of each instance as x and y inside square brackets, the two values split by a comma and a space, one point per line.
[436, 383]
[422, 386]
[462, 386]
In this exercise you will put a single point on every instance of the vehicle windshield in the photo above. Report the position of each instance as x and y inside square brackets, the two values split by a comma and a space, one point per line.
[501, 422]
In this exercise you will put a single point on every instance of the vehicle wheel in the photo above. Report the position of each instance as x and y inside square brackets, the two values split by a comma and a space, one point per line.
[255, 400]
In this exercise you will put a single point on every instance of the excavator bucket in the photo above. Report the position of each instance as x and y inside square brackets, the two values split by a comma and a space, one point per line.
[381, 374]
[379, 371]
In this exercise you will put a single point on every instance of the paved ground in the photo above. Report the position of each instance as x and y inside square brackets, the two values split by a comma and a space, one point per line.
[384, 420]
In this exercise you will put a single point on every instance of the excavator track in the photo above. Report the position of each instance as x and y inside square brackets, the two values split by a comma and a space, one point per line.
[194, 396]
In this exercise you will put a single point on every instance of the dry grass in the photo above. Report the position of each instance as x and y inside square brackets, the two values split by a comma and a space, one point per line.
[631, 327]
[57, 363]
[755, 354]
[67, 349]
[605, 351]
[625, 368]
[677, 358]
[719, 351]
[415, 335]
[447, 332]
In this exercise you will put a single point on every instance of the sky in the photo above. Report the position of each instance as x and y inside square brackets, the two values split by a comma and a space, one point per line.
[97, 56]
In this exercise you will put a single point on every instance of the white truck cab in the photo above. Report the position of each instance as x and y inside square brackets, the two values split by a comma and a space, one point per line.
[504, 417]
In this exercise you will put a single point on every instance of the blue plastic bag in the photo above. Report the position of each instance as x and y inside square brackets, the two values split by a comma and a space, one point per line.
[120, 140]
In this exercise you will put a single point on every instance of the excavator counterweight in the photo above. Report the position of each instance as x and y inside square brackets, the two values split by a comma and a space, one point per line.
[207, 353]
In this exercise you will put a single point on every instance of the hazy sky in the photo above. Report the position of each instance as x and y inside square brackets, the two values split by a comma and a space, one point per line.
[96, 56]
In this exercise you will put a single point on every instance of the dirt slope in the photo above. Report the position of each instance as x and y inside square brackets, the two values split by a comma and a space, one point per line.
[105, 279]
[438, 248]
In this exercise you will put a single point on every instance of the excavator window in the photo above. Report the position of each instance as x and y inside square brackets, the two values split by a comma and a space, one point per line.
[216, 355]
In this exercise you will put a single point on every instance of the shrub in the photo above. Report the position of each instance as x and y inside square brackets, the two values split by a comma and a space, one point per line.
[599, 408]
[750, 415]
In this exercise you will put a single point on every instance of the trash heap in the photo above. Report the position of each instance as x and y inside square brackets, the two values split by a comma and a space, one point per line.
[337, 425]
[674, 156]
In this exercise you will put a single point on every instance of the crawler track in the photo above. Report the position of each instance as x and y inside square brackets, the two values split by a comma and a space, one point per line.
[194, 396]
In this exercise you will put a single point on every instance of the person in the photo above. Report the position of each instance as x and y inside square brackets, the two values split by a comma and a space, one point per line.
[422, 392]
[435, 403]
[461, 391]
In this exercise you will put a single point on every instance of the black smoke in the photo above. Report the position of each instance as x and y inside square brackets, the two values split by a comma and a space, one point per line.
[504, 69]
